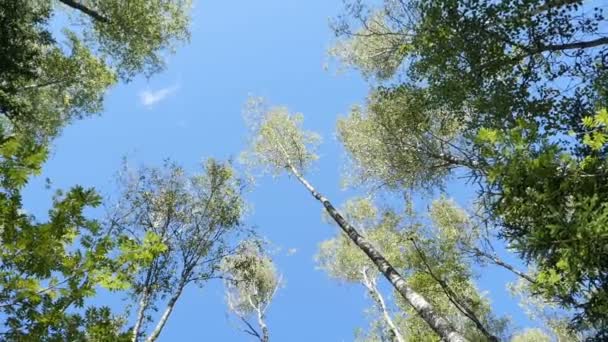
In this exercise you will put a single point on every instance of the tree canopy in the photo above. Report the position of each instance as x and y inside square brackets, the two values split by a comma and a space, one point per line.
[51, 267]
[513, 94]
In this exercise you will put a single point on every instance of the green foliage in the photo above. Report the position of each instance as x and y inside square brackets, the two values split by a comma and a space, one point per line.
[531, 335]
[376, 49]
[555, 215]
[277, 139]
[135, 34]
[48, 81]
[251, 279]
[47, 266]
[50, 268]
[395, 140]
[536, 149]
[101, 326]
[142, 252]
[597, 138]
[440, 271]
[173, 230]
[67, 87]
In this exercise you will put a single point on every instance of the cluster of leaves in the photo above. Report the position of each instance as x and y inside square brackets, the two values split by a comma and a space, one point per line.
[48, 81]
[49, 268]
[173, 230]
[567, 242]
[398, 133]
[43, 87]
[278, 141]
[251, 279]
[135, 34]
[522, 82]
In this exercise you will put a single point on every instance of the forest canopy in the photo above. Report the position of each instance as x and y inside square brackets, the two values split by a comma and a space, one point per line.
[480, 149]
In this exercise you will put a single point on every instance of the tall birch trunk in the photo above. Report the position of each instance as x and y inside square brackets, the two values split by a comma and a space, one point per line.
[168, 310]
[439, 324]
[143, 302]
[370, 284]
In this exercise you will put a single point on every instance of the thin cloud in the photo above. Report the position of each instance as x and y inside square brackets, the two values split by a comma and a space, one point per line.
[149, 98]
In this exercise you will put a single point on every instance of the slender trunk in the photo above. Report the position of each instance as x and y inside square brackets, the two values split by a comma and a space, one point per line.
[143, 302]
[495, 259]
[84, 9]
[265, 333]
[163, 319]
[370, 284]
[439, 324]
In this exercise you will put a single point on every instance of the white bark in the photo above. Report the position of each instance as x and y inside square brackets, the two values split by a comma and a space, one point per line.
[438, 323]
[143, 302]
[370, 284]
[168, 310]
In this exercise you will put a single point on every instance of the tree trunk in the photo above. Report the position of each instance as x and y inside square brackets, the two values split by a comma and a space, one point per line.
[370, 284]
[143, 302]
[265, 333]
[439, 324]
[163, 319]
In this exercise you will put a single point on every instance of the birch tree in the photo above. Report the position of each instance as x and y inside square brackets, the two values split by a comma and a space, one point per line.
[431, 263]
[278, 144]
[51, 76]
[251, 283]
[135, 35]
[342, 260]
[186, 225]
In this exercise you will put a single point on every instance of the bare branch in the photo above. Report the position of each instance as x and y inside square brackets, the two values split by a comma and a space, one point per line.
[86, 10]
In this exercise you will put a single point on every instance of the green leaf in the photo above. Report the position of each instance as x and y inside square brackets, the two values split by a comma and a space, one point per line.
[602, 117]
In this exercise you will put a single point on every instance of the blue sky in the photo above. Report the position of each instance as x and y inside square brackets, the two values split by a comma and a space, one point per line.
[191, 111]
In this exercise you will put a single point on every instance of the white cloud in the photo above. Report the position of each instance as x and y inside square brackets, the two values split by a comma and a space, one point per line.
[149, 98]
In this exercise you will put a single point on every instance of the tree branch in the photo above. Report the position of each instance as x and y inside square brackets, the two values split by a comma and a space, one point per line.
[86, 10]
[575, 45]
[497, 261]
[143, 303]
[370, 284]
[251, 330]
[452, 296]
